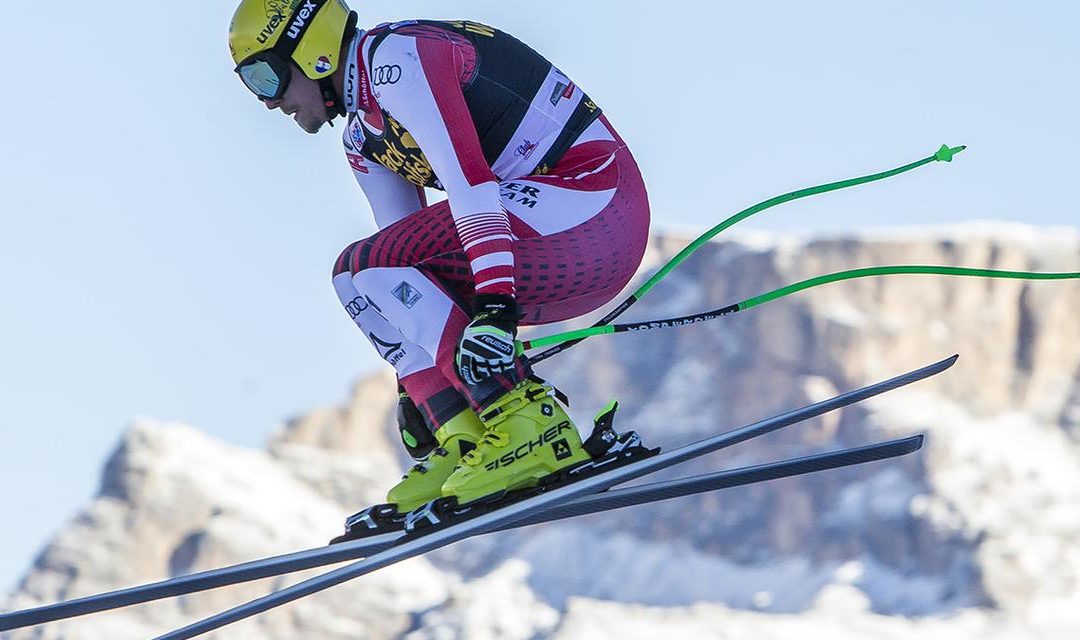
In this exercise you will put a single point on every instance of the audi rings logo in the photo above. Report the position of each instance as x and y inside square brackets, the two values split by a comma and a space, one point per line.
[386, 74]
[357, 306]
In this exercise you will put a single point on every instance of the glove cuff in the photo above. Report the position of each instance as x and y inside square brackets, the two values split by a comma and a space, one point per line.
[496, 310]
[495, 305]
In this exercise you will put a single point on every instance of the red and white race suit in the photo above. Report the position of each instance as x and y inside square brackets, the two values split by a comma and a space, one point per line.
[545, 202]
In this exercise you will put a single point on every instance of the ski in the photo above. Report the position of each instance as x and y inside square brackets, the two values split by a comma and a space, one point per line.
[320, 556]
[588, 505]
[411, 547]
[693, 485]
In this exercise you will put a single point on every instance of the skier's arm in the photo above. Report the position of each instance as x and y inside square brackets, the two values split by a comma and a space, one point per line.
[428, 101]
[391, 196]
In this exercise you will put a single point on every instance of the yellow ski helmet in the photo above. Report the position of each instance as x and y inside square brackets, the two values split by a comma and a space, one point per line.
[266, 34]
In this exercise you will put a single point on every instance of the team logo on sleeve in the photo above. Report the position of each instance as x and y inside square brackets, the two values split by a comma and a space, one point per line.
[525, 149]
[407, 295]
[357, 162]
[323, 64]
[355, 133]
[563, 91]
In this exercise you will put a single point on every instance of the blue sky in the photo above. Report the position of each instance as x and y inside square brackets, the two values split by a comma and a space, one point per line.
[167, 242]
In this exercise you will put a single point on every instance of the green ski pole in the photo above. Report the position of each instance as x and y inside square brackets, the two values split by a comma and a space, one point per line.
[944, 154]
[581, 334]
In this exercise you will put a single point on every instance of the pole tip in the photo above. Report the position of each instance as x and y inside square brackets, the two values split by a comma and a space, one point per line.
[946, 153]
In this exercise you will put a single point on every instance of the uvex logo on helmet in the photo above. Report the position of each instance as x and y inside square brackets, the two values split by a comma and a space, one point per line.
[271, 26]
[296, 29]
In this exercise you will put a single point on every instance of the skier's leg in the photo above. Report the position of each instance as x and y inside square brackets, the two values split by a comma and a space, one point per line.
[582, 231]
[407, 358]
[450, 427]
[427, 387]
[416, 276]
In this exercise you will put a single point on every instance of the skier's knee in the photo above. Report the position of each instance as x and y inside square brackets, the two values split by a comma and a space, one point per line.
[350, 256]
[355, 258]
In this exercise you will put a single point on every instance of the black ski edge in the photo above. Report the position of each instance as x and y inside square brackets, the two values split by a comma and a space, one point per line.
[682, 487]
[197, 582]
[320, 556]
[770, 425]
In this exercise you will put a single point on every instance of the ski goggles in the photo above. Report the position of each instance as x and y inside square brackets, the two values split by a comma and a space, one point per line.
[266, 74]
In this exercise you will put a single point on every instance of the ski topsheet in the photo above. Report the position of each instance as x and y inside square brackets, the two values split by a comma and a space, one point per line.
[568, 501]
[681, 487]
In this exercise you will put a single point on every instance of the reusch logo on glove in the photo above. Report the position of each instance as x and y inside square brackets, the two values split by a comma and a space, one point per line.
[498, 344]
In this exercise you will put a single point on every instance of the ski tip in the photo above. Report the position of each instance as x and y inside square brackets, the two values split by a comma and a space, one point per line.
[947, 153]
[904, 446]
[937, 367]
[942, 365]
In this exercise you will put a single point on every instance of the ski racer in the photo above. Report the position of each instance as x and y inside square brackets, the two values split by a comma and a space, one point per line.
[546, 219]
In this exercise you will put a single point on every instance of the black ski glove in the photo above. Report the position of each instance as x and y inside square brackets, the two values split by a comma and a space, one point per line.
[487, 346]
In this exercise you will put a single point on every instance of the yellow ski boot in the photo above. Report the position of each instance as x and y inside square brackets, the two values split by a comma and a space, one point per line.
[424, 481]
[528, 439]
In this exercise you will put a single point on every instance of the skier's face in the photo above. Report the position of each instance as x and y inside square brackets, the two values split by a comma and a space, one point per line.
[303, 101]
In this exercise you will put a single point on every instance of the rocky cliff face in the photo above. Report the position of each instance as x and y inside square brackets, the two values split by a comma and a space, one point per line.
[1020, 346]
[977, 536]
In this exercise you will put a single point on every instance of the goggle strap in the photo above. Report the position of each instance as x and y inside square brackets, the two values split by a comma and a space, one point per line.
[295, 30]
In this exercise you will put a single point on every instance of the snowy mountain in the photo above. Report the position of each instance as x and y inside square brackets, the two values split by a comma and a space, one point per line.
[976, 536]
